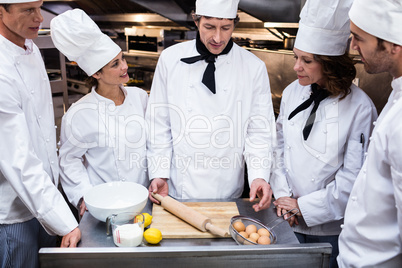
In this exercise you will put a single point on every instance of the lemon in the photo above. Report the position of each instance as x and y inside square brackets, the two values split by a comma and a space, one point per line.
[147, 219]
[153, 235]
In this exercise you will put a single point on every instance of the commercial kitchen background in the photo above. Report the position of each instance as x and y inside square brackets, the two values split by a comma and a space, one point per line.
[143, 28]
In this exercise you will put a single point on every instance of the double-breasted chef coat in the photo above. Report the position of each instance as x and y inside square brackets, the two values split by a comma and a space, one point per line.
[322, 169]
[199, 140]
[372, 232]
[102, 142]
[28, 156]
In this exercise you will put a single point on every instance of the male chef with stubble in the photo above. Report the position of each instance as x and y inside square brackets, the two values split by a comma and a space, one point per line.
[209, 113]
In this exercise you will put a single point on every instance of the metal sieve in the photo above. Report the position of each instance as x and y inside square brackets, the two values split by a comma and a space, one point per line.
[241, 240]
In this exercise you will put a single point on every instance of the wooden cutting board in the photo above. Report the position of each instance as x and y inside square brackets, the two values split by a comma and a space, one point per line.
[171, 226]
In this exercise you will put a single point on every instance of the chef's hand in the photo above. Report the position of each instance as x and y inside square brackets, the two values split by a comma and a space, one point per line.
[71, 239]
[158, 186]
[287, 203]
[291, 220]
[82, 207]
[260, 188]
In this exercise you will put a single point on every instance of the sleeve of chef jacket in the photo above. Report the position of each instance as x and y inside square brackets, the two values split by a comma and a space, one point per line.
[159, 140]
[261, 133]
[329, 203]
[24, 170]
[279, 182]
[73, 173]
[394, 157]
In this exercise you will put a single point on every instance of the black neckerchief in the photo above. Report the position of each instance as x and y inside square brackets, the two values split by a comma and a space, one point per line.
[208, 78]
[317, 95]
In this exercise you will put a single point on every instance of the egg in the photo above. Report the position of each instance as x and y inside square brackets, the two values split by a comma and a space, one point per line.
[263, 231]
[244, 234]
[252, 239]
[264, 240]
[251, 229]
[254, 236]
[239, 226]
[246, 242]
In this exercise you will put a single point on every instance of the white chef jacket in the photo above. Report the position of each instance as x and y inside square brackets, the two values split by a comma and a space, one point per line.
[321, 170]
[372, 232]
[199, 140]
[28, 156]
[102, 142]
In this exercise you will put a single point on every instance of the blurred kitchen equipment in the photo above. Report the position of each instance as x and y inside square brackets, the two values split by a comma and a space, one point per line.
[189, 215]
[117, 197]
[154, 39]
[266, 44]
[127, 229]
[241, 240]
[288, 42]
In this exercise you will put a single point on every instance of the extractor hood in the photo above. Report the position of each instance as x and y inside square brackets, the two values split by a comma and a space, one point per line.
[173, 12]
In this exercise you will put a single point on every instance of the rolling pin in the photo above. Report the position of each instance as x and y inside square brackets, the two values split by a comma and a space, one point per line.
[189, 215]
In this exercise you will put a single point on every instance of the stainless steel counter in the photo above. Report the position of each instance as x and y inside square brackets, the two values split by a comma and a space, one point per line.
[96, 249]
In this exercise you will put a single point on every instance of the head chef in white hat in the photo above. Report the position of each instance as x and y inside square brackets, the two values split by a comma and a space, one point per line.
[322, 119]
[32, 210]
[225, 11]
[111, 116]
[206, 78]
[372, 232]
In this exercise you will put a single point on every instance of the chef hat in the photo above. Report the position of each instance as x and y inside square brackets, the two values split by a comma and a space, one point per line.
[381, 18]
[78, 37]
[226, 9]
[16, 1]
[324, 27]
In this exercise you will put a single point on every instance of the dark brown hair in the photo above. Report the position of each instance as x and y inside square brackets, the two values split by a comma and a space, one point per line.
[90, 81]
[339, 72]
[6, 6]
[197, 18]
[380, 44]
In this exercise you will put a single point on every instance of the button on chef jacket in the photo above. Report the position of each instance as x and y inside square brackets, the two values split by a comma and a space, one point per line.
[372, 232]
[28, 157]
[102, 142]
[321, 170]
[198, 139]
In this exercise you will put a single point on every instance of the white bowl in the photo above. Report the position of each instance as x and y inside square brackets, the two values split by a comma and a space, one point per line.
[110, 198]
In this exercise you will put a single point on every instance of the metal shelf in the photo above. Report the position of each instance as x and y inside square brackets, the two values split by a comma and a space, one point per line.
[58, 85]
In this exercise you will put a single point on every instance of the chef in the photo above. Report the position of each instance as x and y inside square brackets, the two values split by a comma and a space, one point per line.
[103, 134]
[322, 126]
[210, 110]
[32, 210]
[372, 232]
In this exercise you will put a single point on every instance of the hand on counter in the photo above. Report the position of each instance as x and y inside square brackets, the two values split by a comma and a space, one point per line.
[261, 189]
[158, 186]
[82, 207]
[71, 239]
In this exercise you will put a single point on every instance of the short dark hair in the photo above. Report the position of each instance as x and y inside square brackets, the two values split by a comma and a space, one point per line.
[380, 44]
[197, 18]
[6, 6]
[339, 72]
